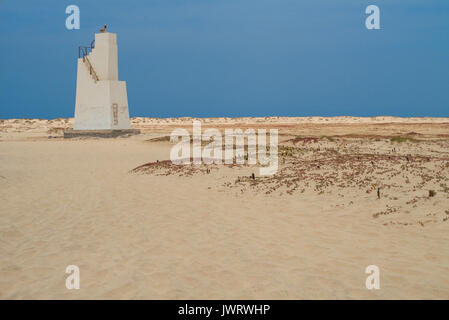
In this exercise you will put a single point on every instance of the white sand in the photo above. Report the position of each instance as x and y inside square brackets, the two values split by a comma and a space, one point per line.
[137, 236]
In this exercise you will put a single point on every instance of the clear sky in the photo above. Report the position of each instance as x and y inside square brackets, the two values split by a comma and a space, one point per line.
[211, 58]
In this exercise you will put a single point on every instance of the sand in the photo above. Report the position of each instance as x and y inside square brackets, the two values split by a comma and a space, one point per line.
[162, 233]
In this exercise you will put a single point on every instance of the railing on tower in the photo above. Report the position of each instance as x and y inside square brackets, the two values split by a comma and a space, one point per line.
[83, 52]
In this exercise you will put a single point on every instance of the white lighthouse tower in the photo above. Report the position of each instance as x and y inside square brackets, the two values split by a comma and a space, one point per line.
[101, 101]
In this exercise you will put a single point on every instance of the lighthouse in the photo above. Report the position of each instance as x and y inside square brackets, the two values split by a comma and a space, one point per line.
[101, 106]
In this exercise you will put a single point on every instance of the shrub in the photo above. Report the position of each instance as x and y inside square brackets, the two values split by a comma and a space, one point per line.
[403, 139]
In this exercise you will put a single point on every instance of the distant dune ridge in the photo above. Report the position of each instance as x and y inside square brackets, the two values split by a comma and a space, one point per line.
[349, 192]
[55, 126]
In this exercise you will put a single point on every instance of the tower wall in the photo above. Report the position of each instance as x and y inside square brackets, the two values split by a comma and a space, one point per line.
[101, 104]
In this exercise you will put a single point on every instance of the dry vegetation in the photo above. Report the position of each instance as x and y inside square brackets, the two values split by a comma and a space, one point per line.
[407, 176]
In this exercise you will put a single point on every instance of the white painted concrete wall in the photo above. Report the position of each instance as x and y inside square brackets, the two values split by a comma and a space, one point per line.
[95, 100]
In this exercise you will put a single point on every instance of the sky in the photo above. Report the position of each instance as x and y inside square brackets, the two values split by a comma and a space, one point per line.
[233, 58]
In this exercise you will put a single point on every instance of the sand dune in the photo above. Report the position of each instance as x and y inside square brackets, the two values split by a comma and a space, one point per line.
[161, 232]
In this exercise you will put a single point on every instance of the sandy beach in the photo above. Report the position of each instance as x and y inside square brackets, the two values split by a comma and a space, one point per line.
[211, 231]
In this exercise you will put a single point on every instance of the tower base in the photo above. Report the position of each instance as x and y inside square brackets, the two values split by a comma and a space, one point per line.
[68, 134]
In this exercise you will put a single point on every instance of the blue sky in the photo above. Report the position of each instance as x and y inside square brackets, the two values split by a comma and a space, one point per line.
[211, 58]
